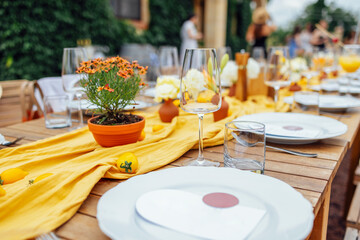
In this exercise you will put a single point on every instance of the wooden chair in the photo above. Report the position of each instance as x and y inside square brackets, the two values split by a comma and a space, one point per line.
[352, 234]
[353, 217]
[17, 102]
[30, 107]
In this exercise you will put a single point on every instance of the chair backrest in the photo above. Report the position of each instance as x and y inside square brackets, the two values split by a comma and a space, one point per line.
[30, 106]
[18, 102]
[10, 106]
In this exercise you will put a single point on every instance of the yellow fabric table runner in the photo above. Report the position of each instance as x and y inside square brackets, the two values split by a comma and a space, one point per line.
[78, 163]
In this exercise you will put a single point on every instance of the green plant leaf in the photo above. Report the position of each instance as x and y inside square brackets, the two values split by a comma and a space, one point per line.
[224, 61]
[210, 67]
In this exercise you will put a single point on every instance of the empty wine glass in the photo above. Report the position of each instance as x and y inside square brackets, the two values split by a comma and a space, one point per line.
[277, 71]
[72, 57]
[200, 74]
[221, 51]
[169, 61]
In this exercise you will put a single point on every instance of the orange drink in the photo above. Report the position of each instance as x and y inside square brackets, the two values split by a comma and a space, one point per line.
[350, 63]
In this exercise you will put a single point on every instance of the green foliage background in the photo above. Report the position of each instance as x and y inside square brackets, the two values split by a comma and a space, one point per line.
[166, 20]
[239, 18]
[34, 33]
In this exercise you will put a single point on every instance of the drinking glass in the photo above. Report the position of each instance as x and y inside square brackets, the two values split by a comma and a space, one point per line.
[221, 51]
[200, 74]
[350, 61]
[258, 54]
[72, 57]
[244, 146]
[311, 72]
[169, 61]
[277, 70]
[57, 112]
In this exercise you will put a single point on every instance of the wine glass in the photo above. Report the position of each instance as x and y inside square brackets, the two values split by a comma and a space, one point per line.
[311, 72]
[221, 51]
[169, 60]
[277, 70]
[350, 61]
[72, 57]
[200, 74]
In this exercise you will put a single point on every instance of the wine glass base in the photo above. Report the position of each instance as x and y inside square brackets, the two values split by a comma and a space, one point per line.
[203, 163]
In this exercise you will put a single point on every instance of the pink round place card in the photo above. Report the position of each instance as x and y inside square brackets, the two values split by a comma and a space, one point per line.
[220, 200]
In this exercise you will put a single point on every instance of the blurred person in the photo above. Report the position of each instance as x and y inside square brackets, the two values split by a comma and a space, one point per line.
[259, 30]
[189, 35]
[350, 38]
[294, 42]
[319, 39]
[305, 38]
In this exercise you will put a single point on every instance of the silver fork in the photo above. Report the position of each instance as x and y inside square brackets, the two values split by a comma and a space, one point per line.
[247, 144]
[47, 236]
[8, 143]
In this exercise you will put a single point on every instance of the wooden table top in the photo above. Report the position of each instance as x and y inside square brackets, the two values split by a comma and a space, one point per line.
[312, 177]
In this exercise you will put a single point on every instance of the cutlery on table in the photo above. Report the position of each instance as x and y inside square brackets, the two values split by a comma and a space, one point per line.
[4, 142]
[247, 144]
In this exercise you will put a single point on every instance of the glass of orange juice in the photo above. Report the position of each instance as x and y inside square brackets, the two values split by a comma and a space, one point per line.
[350, 60]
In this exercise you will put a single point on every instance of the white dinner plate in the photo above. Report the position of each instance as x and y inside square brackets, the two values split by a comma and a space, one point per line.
[150, 92]
[337, 85]
[297, 128]
[87, 105]
[288, 214]
[225, 84]
[331, 103]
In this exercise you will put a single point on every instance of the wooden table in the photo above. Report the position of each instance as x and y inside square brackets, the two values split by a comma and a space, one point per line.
[312, 177]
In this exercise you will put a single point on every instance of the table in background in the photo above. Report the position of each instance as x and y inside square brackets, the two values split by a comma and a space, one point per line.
[312, 177]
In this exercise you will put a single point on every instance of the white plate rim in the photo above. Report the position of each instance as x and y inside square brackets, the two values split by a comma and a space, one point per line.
[254, 117]
[306, 206]
[289, 100]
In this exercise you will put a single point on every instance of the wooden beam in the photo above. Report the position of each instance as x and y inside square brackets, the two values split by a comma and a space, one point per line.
[215, 23]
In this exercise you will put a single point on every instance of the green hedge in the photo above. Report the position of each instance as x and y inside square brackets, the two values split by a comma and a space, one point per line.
[34, 33]
[239, 19]
[166, 20]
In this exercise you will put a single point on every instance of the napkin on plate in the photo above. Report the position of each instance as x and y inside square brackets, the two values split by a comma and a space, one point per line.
[186, 212]
[296, 130]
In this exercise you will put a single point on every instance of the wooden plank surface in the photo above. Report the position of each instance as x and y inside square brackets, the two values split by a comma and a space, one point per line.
[310, 176]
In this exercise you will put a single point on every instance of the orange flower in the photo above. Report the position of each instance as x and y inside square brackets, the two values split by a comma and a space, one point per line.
[106, 87]
[100, 89]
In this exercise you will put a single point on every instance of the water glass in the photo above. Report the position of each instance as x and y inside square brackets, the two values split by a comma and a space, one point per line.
[245, 146]
[169, 60]
[306, 102]
[57, 112]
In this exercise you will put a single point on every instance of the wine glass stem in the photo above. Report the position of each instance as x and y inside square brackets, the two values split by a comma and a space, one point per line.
[78, 95]
[201, 144]
[276, 96]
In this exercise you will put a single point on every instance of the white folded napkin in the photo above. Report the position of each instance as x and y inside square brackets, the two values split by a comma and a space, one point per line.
[186, 212]
[296, 130]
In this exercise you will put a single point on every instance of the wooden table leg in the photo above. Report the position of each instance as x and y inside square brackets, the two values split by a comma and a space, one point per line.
[321, 219]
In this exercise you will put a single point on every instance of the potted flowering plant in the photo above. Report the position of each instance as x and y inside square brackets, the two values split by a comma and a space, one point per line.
[111, 85]
[167, 89]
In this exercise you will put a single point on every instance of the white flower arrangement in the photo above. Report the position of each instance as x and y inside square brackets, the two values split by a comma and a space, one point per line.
[229, 74]
[194, 82]
[252, 68]
[297, 65]
[167, 87]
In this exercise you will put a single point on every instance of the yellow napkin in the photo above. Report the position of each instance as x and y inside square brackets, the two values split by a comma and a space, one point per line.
[78, 163]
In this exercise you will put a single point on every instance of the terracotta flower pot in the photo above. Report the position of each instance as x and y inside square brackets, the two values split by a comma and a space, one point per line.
[110, 136]
[232, 90]
[168, 111]
[224, 108]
